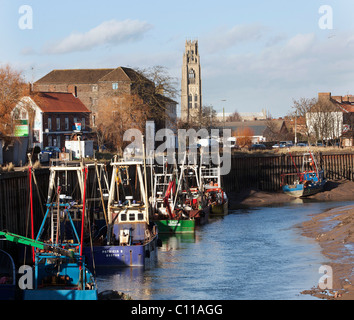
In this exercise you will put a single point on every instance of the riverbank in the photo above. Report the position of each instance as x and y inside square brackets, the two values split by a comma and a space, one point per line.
[333, 191]
[332, 229]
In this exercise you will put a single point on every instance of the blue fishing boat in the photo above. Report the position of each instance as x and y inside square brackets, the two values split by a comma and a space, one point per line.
[7, 277]
[60, 272]
[129, 238]
[309, 181]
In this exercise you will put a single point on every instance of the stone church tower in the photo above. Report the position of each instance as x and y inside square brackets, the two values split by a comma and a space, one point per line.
[191, 95]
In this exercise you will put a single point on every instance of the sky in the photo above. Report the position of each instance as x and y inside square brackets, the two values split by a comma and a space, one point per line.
[255, 55]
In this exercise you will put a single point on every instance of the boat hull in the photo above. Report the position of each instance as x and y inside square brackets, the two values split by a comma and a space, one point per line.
[175, 226]
[300, 191]
[47, 294]
[220, 209]
[201, 216]
[296, 190]
[122, 256]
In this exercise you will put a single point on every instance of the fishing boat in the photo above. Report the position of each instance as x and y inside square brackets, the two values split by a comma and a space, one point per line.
[189, 200]
[60, 272]
[309, 181]
[7, 277]
[167, 219]
[130, 239]
[210, 181]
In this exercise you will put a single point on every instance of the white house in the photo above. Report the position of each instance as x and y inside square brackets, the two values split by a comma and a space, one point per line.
[52, 118]
[325, 125]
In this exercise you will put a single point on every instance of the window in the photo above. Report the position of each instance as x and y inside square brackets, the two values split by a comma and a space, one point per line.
[66, 123]
[49, 123]
[83, 124]
[191, 76]
[123, 217]
[36, 136]
[140, 216]
[131, 216]
[93, 102]
[50, 141]
[115, 85]
[58, 123]
[94, 88]
[24, 115]
[190, 101]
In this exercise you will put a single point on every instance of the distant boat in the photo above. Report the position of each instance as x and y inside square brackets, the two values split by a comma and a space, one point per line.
[210, 181]
[309, 181]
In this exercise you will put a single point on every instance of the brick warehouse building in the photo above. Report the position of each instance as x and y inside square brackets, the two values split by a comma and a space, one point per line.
[92, 85]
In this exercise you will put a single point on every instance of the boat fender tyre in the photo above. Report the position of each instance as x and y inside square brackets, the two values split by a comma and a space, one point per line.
[147, 253]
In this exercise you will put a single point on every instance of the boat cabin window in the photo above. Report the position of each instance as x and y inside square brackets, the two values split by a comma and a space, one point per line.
[131, 217]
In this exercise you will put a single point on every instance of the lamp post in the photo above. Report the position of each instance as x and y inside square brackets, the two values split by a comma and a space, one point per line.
[295, 128]
[223, 112]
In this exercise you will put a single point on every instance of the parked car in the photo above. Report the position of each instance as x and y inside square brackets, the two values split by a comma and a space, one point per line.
[258, 146]
[276, 146]
[286, 143]
[302, 144]
[48, 153]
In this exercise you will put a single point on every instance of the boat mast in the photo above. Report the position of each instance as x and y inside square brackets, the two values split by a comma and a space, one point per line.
[145, 183]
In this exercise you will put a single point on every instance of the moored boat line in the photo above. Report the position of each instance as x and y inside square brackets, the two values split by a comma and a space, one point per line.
[122, 231]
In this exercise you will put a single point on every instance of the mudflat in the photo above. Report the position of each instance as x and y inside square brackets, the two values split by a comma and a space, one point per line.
[333, 229]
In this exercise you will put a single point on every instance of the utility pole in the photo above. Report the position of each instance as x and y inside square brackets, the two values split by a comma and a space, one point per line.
[295, 128]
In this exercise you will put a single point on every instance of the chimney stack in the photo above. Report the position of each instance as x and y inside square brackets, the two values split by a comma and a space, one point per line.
[324, 96]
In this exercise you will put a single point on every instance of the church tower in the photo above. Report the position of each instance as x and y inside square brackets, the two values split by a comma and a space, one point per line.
[191, 95]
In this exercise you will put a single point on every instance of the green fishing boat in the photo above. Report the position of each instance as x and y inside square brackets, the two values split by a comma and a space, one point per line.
[175, 226]
[178, 204]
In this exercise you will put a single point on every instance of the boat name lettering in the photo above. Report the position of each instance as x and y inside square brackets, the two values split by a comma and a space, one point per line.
[112, 251]
[174, 223]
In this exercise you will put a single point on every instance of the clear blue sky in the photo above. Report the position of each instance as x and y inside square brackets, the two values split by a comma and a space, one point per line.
[254, 54]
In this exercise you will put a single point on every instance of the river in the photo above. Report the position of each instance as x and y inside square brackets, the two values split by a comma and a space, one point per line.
[250, 254]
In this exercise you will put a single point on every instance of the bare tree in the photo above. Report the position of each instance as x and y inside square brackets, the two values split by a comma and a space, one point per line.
[300, 109]
[325, 120]
[235, 116]
[12, 88]
[207, 119]
[157, 88]
[302, 106]
[116, 115]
